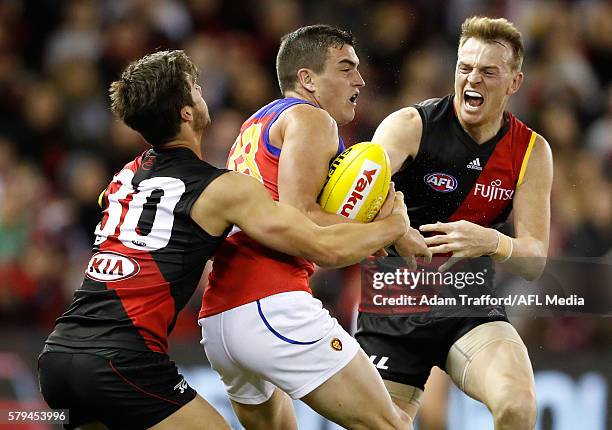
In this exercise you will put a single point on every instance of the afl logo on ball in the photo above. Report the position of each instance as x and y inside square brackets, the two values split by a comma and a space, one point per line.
[441, 182]
[336, 344]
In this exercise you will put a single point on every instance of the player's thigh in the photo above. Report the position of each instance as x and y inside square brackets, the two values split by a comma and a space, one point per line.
[243, 385]
[404, 352]
[356, 397]
[406, 397]
[256, 402]
[276, 413]
[428, 403]
[434, 404]
[491, 361]
[197, 414]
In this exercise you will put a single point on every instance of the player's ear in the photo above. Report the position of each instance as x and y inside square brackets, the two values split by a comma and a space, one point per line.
[305, 79]
[187, 113]
[516, 83]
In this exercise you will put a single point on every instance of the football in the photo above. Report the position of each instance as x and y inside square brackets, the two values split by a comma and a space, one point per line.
[358, 182]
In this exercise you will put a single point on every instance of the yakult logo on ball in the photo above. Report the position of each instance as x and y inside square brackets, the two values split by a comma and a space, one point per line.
[360, 189]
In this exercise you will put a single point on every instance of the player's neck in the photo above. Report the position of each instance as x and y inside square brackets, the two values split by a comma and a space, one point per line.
[300, 94]
[482, 133]
[189, 142]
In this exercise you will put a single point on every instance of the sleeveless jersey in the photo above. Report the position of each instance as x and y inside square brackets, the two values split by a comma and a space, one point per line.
[148, 255]
[244, 270]
[454, 178]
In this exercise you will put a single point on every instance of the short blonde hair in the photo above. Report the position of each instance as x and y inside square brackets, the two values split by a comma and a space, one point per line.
[491, 30]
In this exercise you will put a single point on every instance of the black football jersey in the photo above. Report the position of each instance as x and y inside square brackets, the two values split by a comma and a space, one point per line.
[453, 178]
[148, 255]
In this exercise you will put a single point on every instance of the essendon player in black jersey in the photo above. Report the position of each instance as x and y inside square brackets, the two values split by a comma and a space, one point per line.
[164, 215]
[463, 163]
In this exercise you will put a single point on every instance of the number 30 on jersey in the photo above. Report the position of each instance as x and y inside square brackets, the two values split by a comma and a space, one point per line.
[140, 205]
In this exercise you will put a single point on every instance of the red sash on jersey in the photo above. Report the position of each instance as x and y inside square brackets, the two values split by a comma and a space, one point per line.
[487, 200]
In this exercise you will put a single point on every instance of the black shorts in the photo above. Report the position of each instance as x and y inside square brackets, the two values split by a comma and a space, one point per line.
[407, 347]
[123, 389]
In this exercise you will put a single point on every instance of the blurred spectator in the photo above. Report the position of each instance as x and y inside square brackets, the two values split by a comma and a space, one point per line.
[78, 37]
[599, 134]
[42, 132]
[84, 177]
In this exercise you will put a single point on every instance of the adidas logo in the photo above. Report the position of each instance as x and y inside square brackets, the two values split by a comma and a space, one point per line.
[474, 164]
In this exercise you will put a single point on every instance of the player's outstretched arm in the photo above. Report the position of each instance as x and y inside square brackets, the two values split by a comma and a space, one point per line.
[400, 135]
[238, 199]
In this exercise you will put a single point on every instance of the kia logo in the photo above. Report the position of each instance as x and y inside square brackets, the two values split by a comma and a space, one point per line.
[110, 266]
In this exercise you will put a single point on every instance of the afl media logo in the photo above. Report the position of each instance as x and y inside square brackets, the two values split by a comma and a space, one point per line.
[111, 267]
[441, 182]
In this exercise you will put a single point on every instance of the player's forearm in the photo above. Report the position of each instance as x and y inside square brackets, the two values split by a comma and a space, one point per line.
[354, 242]
[525, 256]
[324, 219]
[313, 211]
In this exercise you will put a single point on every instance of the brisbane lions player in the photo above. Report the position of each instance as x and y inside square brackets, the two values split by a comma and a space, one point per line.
[263, 331]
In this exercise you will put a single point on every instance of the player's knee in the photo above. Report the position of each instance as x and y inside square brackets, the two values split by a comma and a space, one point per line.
[517, 410]
[255, 419]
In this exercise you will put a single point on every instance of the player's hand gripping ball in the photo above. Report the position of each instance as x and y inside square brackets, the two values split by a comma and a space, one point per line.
[358, 182]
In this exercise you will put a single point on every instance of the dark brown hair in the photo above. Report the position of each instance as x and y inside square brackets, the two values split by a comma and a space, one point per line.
[307, 47]
[491, 30]
[151, 92]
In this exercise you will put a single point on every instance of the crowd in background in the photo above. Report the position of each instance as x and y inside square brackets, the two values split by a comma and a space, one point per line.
[59, 144]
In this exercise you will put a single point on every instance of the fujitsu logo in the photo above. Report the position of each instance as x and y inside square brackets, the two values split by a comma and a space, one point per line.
[360, 189]
[493, 191]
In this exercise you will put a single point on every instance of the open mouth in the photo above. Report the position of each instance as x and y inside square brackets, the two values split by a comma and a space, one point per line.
[353, 98]
[473, 99]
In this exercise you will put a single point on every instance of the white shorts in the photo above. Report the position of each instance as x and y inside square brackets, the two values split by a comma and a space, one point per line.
[286, 340]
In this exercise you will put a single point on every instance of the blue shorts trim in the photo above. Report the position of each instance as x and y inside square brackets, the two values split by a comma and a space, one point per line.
[277, 334]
